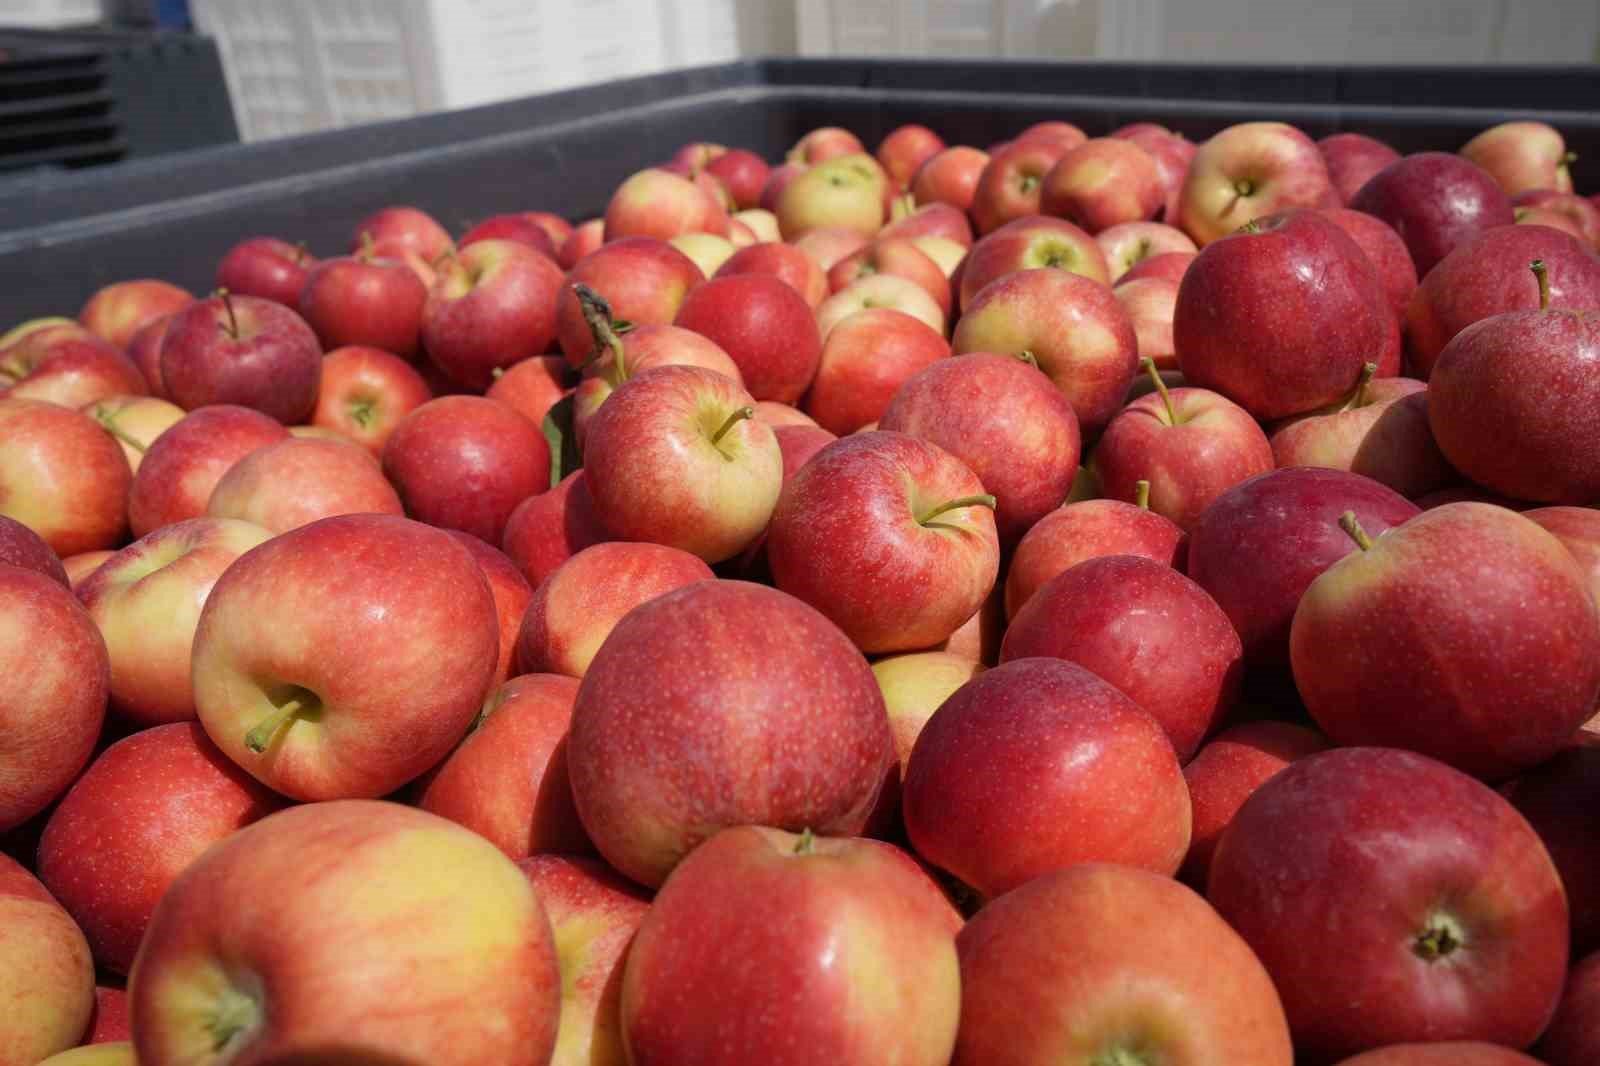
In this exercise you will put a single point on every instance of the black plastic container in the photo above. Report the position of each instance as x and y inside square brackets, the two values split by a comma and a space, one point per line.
[175, 217]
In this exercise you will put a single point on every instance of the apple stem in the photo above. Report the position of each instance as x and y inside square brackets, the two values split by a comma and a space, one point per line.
[232, 328]
[497, 373]
[259, 738]
[1028, 357]
[11, 370]
[300, 252]
[368, 248]
[1569, 158]
[1141, 494]
[1352, 525]
[732, 420]
[1148, 365]
[807, 839]
[597, 314]
[981, 500]
[1359, 397]
[1542, 275]
[905, 206]
[105, 422]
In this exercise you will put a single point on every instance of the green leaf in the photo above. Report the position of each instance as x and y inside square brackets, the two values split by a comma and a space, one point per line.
[563, 440]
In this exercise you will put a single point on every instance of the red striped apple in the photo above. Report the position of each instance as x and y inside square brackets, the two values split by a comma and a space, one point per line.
[182, 467]
[365, 392]
[1246, 172]
[297, 481]
[46, 974]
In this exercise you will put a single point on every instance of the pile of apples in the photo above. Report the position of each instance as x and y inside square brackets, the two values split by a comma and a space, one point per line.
[1106, 601]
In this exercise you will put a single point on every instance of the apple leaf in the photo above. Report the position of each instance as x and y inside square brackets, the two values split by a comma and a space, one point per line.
[563, 439]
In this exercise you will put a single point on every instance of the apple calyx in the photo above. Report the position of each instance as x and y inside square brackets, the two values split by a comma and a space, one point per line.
[108, 422]
[806, 843]
[980, 500]
[266, 731]
[1442, 937]
[362, 411]
[1148, 365]
[1244, 187]
[234, 1015]
[1028, 357]
[1029, 182]
[1141, 494]
[739, 415]
[1542, 276]
[1352, 527]
[1359, 397]
[232, 327]
[597, 316]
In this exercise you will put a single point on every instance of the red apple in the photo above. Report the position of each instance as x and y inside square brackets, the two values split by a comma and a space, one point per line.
[533, 386]
[62, 476]
[743, 173]
[1031, 244]
[1437, 917]
[555, 227]
[829, 244]
[822, 144]
[786, 262]
[364, 394]
[46, 974]
[880, 291]
[245, 351]
[1522, 156]
[1281, 316]
[1171, 266]
[183, 466]
[844, 191]
[1247, 172]
[465, 462]
[800, 900]
[145, 351]
[118, 311]
[929, 220]
[266, 267]
[1436, 201]
[1151, 304]
[896, 256]
[914, 686]
[1172, 152]
[227, 970]
[1085, 530]
[779, 415]
[777, 178]
[585, 238]
[136, 422]
[365, 301]
[1127, 244]
[1573, 1038]
[1012, 183]
[1385, 249]
[1101, 964]
[644, 280]
[657, 203]
[1352, 159]
[82, 566]
[297, 481]
[1575, 209]
[868, 356]
[67, 365]
[950, 177]
[1104, 182]
[142, 812]
[519, 228]
[1541, 216]
[146, 601]
[1557, 798]
[493, 305]
[891, 537]
[576, 607]
[110, 1022]
[396, 230]
[21, 546]
[546, 530]
[1578, 530]
[508, 780]
[766, 328]
[1077, 331]
[701, 710]
[511, 593]
[905, 149]
[1038, 765]
[1468, 634]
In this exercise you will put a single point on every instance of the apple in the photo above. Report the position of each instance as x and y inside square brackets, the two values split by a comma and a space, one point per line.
[867, 357]
[897, 256]
[1145, 628]
[1381, 431]
[1012, 183]
[764, 326]
[267, 268]
[22, 547]
[844, 191]
[914, 686]
[779, 415]
[297, 481]
[585, 238]
[1172, 152]
[466, 462]
[508, 780]
[145, 351]
[521, 228]
[1352, 159]
[1006, 421]
[1521, 156]
[760, 226]
[1502, 672]
[1037, 765]
[1436, 918]
[1246, 172]
[707, 250]
[1513, 402]
[1281, 316]
[1489, 275]
[1169, 266]
[594, 915]
[1226, 771]
[146, 602]
[119, 1053]
[657, 203]
[1556, 798]
[1076, 330]
[142, 812]
[743, 173]
[1258, 547]
[950, 177]
[81, 567]
[1191, 445]
[511, 593]
[392, 231]
[184, 464]
[786, 262]
[365, 300]
[67, 365]
[644, 280]
[242, 350]
[365, 392]
[777, 178]
[1102, 964]
[316, 710]
[1436, 201]
[225, 973]
[555, 227]
[1063, 133]
[1151, 304]
[533, 386]
[829, 244]
[701, 710]
[62, 476]
[715, 1008]
[1573, 1038]
[822, 144]
[494, 305]
[118, 311]
[1578, 530]
[110, 1022]
[1576, 210]
[1540, 216]
[1385, 249]
[46, 974]
[1127, 244]
[547, 529]
[936, 219]
[576, 607]
[136, 422]
[1031, 244]
[880, 291]
[1104, 182]
[51, 706]
[905, 149]
[889, 536]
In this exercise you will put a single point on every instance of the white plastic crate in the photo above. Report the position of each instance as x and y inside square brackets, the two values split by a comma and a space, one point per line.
[48, 14]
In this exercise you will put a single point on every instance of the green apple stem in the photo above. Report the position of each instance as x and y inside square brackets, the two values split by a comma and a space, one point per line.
[597, 315]
[232, 328]
[905, 205]
[260, 738]
[111, 428]
[807, 840]
[1359, 397]
[981, 500]
[1148, 365]
[301, 252]
[368, 248]
[1028, 357]
[1352, 526]
[1442, 937]
[1141, 494]
[732, 420]
[1542, 275]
